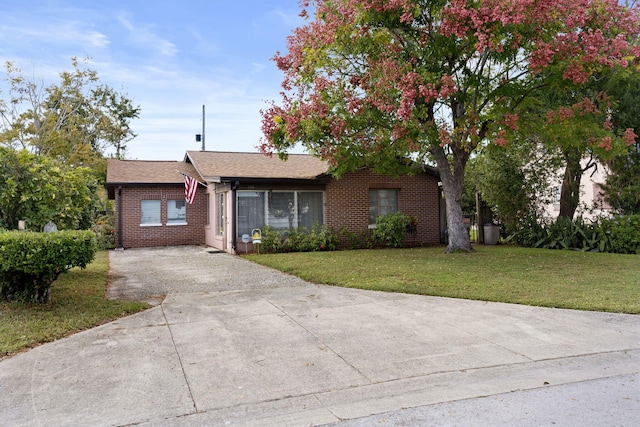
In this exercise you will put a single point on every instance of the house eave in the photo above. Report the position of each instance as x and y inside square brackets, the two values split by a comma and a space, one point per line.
[143, 184]
[112, 186]
[292, 181]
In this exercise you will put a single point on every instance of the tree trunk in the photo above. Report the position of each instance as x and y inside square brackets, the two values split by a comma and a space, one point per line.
[452, 188]
[570, 190]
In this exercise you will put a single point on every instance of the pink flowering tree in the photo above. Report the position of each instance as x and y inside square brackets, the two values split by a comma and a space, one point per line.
[370, 83]
[581, 131]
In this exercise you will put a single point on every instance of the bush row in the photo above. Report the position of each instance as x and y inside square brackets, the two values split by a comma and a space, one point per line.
[390, 231]
[319, 238]
[618, 234]
[30, 262]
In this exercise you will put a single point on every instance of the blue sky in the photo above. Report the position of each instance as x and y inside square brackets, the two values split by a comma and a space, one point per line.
[169, 57]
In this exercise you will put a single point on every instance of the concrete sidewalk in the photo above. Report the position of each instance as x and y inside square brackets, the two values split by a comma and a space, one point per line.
[305, 355]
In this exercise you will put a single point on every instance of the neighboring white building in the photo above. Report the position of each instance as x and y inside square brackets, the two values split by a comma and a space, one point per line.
[592, 202]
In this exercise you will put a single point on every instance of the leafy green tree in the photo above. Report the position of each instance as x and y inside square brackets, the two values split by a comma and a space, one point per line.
[568, 128]
[579, 127]
[514, 181]
[77, 120]
[39, 189]
[622, 187]
[369, 82]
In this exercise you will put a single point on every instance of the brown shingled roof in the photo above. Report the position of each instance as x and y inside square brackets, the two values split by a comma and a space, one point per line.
[212, 165]
[148, 172]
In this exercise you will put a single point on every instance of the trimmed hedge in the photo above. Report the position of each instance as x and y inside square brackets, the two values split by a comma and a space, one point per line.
[31, 262]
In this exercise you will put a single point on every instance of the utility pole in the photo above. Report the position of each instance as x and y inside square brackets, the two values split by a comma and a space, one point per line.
[200, 137]
[202, 127]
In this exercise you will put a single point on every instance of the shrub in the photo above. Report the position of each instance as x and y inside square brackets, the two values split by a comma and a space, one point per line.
[563, 233]
[104, 229]
[324, 238]
[620, 234]
[351, 240]
[320, 238]
[271, 240]
[31, 262]
[623, 234]
[391, 229]
[529, 233]
[296, 240]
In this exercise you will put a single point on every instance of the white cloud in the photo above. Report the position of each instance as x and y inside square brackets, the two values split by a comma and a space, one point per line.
[256, 67]
[67, 33]
[98, 39]
[144, 36]
[288, 18]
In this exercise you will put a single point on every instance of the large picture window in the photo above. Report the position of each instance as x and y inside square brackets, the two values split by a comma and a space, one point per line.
[176, 212]
[150, 212]
[382, 202]
[279, 209]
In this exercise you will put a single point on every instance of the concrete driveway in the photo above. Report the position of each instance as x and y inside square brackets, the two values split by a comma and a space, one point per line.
[234, 343]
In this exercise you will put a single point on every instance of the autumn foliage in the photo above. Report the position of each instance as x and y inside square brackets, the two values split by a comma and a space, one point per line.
[367, 82]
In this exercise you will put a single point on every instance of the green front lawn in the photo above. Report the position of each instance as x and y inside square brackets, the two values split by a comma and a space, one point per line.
[542, 277]
[77, 303]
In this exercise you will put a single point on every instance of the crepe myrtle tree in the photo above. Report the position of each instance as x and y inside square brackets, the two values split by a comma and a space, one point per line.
[373, 82]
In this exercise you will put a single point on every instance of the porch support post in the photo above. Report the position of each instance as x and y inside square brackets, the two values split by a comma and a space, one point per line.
[234, 225]
[119, 243]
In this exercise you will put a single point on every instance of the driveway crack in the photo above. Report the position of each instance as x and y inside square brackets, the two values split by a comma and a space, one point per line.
[317, 338]
[175, 348]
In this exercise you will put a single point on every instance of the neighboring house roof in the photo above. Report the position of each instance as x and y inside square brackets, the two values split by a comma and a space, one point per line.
[215, 166]
[128, 172]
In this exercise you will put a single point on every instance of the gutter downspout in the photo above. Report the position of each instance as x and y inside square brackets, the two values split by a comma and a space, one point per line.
[234, 225]
[119, 244]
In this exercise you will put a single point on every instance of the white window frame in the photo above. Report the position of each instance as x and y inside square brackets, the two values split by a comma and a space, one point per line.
[150, 222]
[397, 192]
[181, 219]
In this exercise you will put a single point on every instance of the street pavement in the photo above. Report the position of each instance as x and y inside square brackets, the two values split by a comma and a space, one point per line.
[236, 344]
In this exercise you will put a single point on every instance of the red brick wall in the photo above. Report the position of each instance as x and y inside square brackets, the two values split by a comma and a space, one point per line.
[134, 235]
[347, 202]
[346, 199]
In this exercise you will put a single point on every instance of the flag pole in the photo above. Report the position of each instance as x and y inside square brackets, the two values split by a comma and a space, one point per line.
[184, 174]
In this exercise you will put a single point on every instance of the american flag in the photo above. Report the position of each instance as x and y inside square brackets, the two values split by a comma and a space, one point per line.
[190, 188]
